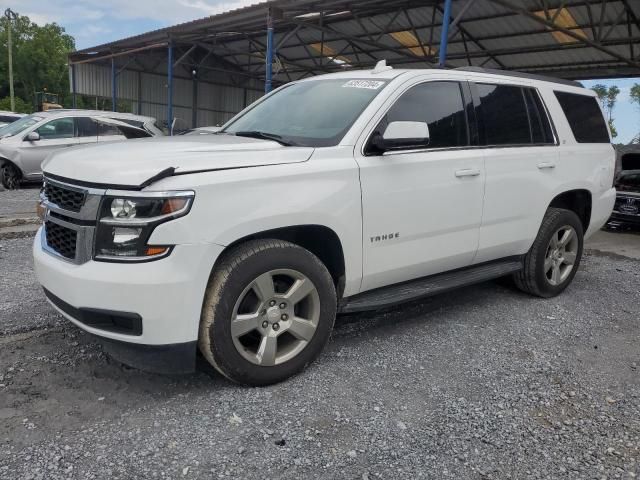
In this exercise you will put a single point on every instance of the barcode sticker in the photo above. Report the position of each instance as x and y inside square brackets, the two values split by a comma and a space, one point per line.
[369, 84]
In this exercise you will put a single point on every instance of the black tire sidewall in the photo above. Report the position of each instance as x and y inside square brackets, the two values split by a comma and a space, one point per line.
[564, 217]
[7, 171]
[223, 350]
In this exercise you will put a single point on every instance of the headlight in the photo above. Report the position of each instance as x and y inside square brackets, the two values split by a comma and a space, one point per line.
[126, 223]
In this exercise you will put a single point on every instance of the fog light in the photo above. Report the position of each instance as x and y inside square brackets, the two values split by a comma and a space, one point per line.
[123, 208]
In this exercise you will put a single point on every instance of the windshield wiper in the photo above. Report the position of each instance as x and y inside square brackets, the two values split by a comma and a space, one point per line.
[265, 136]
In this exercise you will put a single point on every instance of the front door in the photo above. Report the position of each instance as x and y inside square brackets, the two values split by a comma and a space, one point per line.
[422, 208]
[54, 135]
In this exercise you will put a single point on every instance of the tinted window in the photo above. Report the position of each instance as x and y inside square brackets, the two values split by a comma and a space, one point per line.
[540, 127]
[585, 117]
[86, 127]
[504, 114]
[8, 119]
[440, 105]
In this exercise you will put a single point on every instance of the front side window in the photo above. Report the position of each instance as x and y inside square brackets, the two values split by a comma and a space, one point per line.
[585, 117]
[315, 113]
[55, 129]
[440, 105]
[504, 114]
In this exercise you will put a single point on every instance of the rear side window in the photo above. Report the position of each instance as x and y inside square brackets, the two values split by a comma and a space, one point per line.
[504, 113]
[440, 105]
[585, 117]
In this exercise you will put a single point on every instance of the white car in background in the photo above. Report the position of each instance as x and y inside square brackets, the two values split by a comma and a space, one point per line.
[25, 143]
[9, 117]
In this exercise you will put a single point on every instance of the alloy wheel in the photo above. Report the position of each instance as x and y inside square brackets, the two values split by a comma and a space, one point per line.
[561, 255]
[275, 317]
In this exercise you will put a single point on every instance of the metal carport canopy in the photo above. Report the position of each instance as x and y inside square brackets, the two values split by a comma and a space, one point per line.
[571, 39]
[277, 41]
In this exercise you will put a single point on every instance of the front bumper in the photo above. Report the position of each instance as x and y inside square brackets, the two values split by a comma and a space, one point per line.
[166, 294]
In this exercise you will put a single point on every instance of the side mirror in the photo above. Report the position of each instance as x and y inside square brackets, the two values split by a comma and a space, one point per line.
[32, 137]
[406, 135]
[401, 136]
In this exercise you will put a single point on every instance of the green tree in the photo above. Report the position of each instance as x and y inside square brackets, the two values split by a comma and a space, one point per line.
[39, 58]
[635, 98]
[608, 96]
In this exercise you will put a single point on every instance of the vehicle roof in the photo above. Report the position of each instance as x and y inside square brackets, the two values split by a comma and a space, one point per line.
[463, 72]
[7, 112]
[69, 112]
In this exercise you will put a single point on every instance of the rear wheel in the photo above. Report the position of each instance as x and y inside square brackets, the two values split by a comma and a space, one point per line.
[10, 176]
[553, 260]
[268, 312]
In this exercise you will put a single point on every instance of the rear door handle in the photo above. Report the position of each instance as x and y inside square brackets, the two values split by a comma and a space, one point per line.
[544, 165]
[468, 172]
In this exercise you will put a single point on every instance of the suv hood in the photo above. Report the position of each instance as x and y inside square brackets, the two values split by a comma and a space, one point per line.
[133, 163]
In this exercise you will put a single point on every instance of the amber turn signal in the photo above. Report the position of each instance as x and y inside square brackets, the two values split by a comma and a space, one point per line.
[152, 251]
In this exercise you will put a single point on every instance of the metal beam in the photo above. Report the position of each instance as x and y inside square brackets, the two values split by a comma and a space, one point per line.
[114, 86]
[444, 33]
[185, 55]
[170, 87]
[572, 34]
[269, 56]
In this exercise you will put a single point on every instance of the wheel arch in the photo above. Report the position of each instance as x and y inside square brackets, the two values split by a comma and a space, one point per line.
[579, 201]
[320, 240]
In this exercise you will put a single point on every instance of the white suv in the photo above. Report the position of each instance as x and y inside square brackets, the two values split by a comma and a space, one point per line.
[339, 193]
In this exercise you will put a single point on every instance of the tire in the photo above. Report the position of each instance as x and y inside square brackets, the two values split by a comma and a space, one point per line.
[10, 176]
[539, 275]
[238, 298]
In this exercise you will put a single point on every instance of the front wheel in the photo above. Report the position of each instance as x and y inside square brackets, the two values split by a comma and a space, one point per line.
[9, 176]
[268, 312]
[553, 260]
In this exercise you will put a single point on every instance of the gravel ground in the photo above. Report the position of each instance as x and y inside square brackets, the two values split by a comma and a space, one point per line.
[19, 202]
[484, 382]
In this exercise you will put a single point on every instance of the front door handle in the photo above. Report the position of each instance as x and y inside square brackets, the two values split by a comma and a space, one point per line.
[468, 172]
[544, 165]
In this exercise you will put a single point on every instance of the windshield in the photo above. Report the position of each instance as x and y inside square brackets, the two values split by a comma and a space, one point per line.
[315, 113]
[19, 126]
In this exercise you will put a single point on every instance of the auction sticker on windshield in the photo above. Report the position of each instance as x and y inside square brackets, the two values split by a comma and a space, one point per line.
[369, 84]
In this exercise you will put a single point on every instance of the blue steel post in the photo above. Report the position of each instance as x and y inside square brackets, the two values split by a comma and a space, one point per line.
[73, 86]
[444, 34]
[114, 86]
[269, 57]
[170, 88]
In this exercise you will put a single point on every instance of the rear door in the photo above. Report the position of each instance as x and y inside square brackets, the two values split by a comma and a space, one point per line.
[422, 208]
[520, 162]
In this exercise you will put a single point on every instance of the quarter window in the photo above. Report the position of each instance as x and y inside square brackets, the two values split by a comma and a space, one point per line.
[504, 114]
[440, 105]
[585, 117]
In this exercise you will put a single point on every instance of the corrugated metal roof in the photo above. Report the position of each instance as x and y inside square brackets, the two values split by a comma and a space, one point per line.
[508, 34]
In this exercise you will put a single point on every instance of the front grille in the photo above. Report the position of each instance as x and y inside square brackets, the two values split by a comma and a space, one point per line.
[63, 197]
[61, 239]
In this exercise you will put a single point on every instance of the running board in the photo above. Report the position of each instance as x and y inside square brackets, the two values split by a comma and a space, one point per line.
[428, 286]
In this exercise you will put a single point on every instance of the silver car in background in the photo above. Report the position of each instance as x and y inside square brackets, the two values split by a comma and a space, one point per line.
[27, 142]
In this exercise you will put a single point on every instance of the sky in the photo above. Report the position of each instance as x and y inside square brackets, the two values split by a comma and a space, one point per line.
[93, 22]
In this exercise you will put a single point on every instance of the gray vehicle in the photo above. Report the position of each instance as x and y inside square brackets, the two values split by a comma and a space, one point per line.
[26, 143]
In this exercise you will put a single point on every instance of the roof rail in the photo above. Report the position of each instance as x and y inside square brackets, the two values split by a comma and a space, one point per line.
[511, 73]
